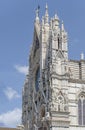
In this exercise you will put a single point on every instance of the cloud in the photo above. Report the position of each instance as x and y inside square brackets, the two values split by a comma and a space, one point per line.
[21, 69]
[11, 93]
[11, 118]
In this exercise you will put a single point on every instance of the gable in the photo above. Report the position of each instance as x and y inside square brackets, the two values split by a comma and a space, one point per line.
[59, 55]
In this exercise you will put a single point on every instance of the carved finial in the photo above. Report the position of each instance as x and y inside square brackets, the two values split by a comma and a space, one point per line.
[46, 6]
[42, 20]
[62, 27]
[82, 56]
[55, 21]
[56, 17]
[37, 15]
[51, 23]
[46, 14]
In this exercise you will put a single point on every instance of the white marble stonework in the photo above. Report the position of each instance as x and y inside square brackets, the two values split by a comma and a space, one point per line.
[53, 96]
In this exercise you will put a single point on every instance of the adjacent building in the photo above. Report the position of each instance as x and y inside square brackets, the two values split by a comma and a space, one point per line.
[53, 96]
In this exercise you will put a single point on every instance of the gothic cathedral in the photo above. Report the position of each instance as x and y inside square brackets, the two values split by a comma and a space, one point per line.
[53, 96]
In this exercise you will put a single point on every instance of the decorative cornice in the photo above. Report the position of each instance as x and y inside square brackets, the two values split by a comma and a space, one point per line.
[60, 77]
[77, 61]
[80, 81]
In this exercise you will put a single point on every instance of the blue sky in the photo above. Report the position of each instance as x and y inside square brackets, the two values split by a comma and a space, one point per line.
[16, 33]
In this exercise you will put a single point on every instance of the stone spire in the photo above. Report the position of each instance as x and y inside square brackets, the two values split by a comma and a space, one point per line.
[37, 16]
[82, 56]
[51, 23]
[55, 22]
[62, 27]
[43, 20]
[56, 17]
[46, 15]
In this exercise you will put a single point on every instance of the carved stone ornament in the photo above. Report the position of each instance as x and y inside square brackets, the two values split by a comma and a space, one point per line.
[81, 92]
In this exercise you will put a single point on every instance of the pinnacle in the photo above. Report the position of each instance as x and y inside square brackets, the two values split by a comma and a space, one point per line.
[46, 7]
[56, 17]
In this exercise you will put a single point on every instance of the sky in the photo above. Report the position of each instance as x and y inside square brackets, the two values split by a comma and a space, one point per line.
[16, 34]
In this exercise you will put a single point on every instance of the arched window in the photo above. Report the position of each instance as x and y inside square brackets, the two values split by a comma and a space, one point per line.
[59, 43]
[84, 111]
[81, 110]
[60, 103]
[42, 111]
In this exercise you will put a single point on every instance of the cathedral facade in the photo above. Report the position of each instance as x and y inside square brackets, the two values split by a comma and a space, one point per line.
[53, 96]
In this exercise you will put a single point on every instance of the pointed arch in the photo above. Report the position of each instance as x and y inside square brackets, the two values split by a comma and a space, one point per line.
[59, 54]
[59, 42]
[62, 102]
[79, 112]
[42, 111]
[81, 107]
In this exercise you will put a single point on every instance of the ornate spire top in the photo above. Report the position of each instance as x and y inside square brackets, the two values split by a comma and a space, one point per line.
[51, 23]
[37, 15]
[42, 20]
[82, 56]
[62, 26]
[55, 21]
[46, 7]
[46, 14]
[56, 17]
